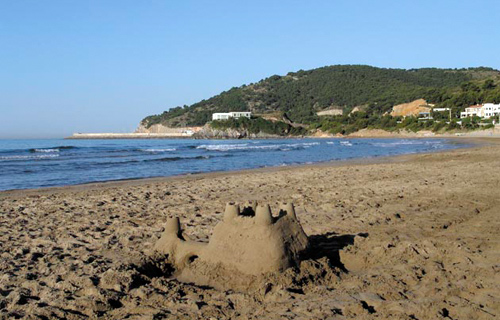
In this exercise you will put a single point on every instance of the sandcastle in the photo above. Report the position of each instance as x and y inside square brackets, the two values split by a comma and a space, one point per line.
[251, 241]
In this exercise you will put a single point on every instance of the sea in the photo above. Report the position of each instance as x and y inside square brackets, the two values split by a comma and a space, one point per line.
[28, 164]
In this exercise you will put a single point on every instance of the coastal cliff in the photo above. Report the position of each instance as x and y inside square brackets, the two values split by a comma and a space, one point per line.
[208, 132]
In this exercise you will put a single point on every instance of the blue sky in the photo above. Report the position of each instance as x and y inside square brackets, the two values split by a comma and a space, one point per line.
[102, 66]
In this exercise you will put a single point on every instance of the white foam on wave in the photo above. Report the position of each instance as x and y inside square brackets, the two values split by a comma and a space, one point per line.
[159, 149]
[43, 156]
[46, 150]
[346, 143]
[309, 143]
[246, 146]
[223, 147]
[330, 142]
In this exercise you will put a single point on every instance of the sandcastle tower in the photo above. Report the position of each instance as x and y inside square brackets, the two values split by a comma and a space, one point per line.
[252, 240]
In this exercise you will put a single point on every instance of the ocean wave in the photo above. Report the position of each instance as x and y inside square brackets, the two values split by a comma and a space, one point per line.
[37, 157]
[346, 143]
[310, 143]
[168, 159]
[113, 163]
[222, 147]
[156, 150]
[51, 149]
[44, 150]
[246, 146]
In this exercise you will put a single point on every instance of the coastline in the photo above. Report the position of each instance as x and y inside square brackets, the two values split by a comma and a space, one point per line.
[378, 133]
[474, 141]
[364, 133]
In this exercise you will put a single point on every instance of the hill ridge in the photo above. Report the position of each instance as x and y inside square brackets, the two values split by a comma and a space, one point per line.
[303, 93]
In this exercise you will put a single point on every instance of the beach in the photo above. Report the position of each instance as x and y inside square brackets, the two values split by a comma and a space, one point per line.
[404, 237]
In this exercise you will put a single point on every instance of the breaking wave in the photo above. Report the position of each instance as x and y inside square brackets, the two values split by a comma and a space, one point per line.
[157, 150]
[52, 149]
[44, 150]
[247, 146]
[14, 158]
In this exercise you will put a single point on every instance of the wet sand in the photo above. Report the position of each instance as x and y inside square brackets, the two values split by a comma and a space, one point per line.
[410, 237]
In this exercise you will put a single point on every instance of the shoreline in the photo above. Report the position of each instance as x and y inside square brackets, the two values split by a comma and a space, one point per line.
[474, 141]
[402, 237]
[363, 133]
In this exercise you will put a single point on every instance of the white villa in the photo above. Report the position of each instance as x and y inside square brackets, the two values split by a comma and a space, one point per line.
[233, 114]
[486, 111]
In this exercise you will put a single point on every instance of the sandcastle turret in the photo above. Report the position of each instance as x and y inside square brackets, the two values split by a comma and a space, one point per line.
[251, 242]
[288, 209]
[174, 243]
[263, 215]
[173, 227]
[232, 211]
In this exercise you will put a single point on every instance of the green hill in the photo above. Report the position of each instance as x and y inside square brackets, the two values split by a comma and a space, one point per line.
[302, 94]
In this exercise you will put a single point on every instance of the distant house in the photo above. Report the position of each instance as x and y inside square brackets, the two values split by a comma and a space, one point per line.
[486, 111]
[472, 111]
[490, 110]
[233, 114]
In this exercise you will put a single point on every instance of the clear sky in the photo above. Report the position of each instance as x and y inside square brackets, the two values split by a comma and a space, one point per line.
[103, 65]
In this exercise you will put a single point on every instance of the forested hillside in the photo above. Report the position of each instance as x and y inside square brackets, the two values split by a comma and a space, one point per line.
[302, 94]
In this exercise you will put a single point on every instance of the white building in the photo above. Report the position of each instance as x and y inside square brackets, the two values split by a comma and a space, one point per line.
[486, 111]
[233, 114]
[490, 110]
[471, 111]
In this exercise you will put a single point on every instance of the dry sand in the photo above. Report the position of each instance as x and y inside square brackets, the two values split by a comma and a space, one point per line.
[412, 237]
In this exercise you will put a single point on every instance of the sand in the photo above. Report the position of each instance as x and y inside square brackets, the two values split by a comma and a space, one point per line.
[410, 237]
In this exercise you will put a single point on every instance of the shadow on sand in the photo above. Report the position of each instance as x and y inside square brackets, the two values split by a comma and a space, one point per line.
[328, 245]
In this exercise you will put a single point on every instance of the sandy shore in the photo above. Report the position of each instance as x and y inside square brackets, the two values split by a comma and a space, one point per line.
[378, 133]
[413, 237]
